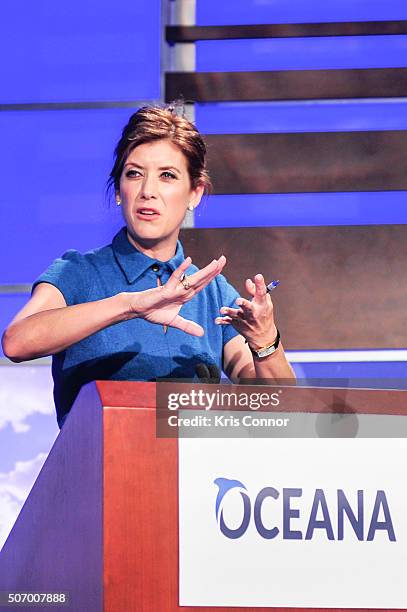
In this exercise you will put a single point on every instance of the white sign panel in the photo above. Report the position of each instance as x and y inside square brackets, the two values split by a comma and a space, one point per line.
[293, 522]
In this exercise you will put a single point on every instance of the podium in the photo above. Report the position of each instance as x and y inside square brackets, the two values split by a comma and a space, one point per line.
[101, 522]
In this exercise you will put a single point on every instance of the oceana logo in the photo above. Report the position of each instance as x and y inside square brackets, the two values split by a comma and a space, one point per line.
[349, 509]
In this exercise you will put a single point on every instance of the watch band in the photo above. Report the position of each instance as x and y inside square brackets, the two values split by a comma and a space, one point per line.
[265, 351]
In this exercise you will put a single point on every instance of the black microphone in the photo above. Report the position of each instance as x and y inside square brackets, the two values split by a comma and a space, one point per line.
[208, 374]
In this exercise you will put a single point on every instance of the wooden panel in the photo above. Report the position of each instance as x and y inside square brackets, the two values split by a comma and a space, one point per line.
[140, 514]
[177, 34]
[115, 393]
[56, 542]
[307, 399]
[141, 494]
[286, 84]
[308, 162]
[341, 287]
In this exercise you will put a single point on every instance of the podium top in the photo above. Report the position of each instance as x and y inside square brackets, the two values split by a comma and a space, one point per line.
[143, 395]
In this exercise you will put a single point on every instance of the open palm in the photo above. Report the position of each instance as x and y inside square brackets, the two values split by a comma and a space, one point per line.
[162, 304]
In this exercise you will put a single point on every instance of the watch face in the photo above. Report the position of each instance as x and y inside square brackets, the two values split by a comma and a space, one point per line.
[266, 352]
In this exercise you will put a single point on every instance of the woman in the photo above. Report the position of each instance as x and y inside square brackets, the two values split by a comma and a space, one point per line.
[115, 312]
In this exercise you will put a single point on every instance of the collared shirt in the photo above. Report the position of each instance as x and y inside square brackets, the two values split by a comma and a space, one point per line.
[134, 349]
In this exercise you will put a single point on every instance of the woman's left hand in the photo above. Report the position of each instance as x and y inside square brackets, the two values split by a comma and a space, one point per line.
[254, 318]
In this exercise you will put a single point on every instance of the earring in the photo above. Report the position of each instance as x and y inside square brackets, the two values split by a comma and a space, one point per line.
[118, 202]
[190, 207]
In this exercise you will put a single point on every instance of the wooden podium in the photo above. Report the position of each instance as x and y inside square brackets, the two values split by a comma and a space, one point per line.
[101, 521]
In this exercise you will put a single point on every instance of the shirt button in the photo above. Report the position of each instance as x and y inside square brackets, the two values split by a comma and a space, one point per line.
[155, 267]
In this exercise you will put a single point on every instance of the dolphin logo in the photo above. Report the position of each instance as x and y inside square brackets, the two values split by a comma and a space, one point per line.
[225, 485]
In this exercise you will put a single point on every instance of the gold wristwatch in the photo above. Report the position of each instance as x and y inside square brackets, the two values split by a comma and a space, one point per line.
[265, 351]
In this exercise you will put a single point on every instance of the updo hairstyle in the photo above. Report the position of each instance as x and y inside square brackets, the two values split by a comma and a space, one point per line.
[151, 123]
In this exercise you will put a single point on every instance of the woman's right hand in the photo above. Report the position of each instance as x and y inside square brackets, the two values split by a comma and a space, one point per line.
[46, 325]
[162, 304]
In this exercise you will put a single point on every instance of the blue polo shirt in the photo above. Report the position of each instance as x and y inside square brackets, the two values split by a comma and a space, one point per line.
[135, 349]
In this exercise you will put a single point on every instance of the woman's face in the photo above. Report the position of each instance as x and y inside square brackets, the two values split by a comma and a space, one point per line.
[155, 191]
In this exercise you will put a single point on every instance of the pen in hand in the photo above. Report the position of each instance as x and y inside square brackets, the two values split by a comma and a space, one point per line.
[272, 285]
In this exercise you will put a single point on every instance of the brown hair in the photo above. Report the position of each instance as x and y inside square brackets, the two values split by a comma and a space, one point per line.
[151, 123]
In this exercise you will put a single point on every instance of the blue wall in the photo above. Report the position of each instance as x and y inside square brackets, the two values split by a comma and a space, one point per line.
[55, 163]
[213, 12]
[80, 51]
[306, 116]
[302, 53]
